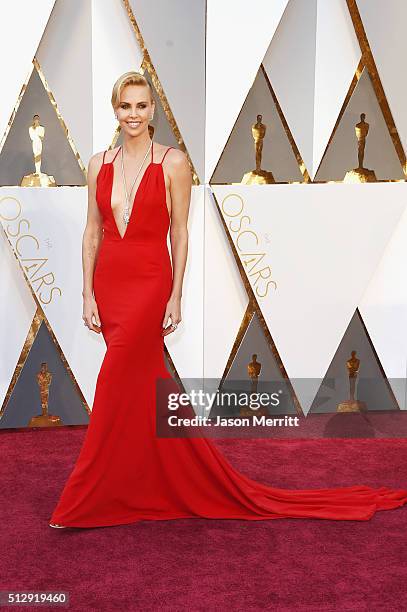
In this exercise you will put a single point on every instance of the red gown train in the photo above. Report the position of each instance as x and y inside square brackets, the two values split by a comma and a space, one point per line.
[124, 472]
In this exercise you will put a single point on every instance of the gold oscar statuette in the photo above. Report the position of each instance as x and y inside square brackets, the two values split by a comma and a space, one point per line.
[352, 404]
[38, 178]
[258, 176]
[361, 174]
[253, 370]
[44, 378]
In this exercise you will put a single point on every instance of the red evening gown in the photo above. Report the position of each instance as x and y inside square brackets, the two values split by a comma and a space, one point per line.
[124, 472]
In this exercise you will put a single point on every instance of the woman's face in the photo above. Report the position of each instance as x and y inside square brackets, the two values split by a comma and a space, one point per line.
[135, 109]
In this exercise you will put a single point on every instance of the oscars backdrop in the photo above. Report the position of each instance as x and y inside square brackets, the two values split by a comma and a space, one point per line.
[292, 116]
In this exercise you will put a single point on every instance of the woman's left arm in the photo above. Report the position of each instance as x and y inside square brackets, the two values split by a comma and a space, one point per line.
[179, 173]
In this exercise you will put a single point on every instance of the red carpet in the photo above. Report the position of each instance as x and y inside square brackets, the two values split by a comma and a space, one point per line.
[201, 564]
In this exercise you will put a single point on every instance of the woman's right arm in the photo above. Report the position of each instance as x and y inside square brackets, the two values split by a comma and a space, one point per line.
[92, 237]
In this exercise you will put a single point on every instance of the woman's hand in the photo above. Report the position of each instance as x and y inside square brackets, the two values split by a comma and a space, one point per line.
[172, 311]
[90, 314]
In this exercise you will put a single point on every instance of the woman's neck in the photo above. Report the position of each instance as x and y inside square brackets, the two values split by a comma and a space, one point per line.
[136, 146]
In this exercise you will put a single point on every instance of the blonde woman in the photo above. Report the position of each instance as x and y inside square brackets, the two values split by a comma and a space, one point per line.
[132, 295]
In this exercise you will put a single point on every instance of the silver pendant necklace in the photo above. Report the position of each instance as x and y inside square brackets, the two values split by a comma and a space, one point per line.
[127, 211]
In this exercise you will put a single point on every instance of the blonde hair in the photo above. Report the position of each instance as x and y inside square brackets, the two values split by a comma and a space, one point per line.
[128, 78]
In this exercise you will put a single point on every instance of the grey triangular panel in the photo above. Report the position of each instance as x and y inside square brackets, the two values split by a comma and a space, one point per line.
[174, 34]
[270, 379]
[58, 158]
[25, 401]
[238, 156]
[372, 388]
[342, 153]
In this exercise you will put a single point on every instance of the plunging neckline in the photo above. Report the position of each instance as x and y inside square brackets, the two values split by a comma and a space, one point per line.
[151, 163]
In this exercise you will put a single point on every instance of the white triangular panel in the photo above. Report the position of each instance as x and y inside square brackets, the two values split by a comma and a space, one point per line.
[17, 306]
[384, 311]
[22, 29]
[290, 66]
[238, 36]
[185, 345]
[385, 27]
[225, 298]
[337, 57]
[174, 34]
[311, 62]
[321, 245]
[65, 56]
[115, 50]
[51, 255]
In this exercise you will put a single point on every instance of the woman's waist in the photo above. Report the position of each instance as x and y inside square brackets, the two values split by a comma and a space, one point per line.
[133, 252]
[111, 241]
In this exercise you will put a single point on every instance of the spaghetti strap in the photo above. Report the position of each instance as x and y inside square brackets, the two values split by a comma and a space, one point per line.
[166, 154]
[116, 154]
[113, 158]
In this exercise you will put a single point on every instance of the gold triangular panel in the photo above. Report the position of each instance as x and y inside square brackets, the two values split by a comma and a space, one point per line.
[370, 63]
[31, 335]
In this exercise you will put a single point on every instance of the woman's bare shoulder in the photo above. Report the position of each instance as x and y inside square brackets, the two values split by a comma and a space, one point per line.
[174, 154]
[108, 153]
[95, 164]
[96, 159]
